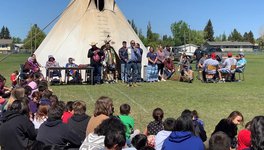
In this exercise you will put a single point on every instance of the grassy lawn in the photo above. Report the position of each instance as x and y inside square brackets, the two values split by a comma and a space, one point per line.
[212, 101]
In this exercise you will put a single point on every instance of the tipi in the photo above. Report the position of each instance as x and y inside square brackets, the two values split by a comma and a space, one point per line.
[83, 22]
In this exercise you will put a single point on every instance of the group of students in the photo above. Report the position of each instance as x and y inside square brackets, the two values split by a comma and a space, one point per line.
[34, 118]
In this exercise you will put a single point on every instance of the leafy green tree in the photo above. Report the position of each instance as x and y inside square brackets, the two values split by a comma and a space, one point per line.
[197, 37]
[34, 38]
[260, 42]
[167, 40]
[180, 31]
[209, 31]
[16, 40]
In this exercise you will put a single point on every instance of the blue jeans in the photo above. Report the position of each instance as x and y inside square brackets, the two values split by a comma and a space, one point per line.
[97, 73]
[168, 73]
[139, 71]
[132, 72]
[124, 72]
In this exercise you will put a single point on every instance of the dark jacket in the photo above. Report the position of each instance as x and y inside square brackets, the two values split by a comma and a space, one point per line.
[78, 124]
[91, 55]
[183, 140]
[229, 128]
[54, 132]
[17, 132]
[199, 130]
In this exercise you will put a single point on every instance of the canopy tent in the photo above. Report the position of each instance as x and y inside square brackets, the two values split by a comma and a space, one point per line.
[82, 23]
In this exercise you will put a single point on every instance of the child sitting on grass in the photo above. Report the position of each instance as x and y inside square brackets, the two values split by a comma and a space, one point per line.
[127, 120]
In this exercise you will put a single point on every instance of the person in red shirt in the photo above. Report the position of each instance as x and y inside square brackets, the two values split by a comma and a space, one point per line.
[68, 113]
[243, 138]
[169, 67]
[14, 78]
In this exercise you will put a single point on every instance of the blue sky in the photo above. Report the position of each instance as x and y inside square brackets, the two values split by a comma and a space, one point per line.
[244, 15]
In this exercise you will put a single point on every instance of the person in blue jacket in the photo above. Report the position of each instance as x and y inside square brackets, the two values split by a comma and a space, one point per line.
[183, 137]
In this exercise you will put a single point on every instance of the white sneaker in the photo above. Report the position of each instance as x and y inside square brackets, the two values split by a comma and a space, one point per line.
[163, 79]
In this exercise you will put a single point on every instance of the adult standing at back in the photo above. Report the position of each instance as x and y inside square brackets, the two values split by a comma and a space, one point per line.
[132, 69]
[139, 64]
[168, 52]
[197, 55]
[123, 55]
[160, 62]
[96, 55]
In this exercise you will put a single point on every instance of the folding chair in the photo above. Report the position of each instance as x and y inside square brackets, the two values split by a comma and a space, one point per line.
[211, 77]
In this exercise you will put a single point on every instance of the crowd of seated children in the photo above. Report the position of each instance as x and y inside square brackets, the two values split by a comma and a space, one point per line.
[105, 131]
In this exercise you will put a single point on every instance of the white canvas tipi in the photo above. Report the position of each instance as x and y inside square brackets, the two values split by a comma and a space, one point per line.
[82, 23]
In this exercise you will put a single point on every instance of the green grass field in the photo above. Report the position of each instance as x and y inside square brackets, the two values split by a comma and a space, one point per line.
[212, 101]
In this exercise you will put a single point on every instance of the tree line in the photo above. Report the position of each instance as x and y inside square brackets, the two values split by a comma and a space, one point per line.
[183, 34]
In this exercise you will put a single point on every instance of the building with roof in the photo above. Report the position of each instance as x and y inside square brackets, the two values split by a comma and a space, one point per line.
[231, 46]
[5, 45]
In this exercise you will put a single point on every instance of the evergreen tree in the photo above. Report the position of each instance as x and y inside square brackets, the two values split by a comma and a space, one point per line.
[2, 33]
[224, 37]
[149, 33]
[7, 33]
[245, 37]
[34, 38]
[235, 36]
[218, 38]
[251, 37]
[133, 25]
[209, 31]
